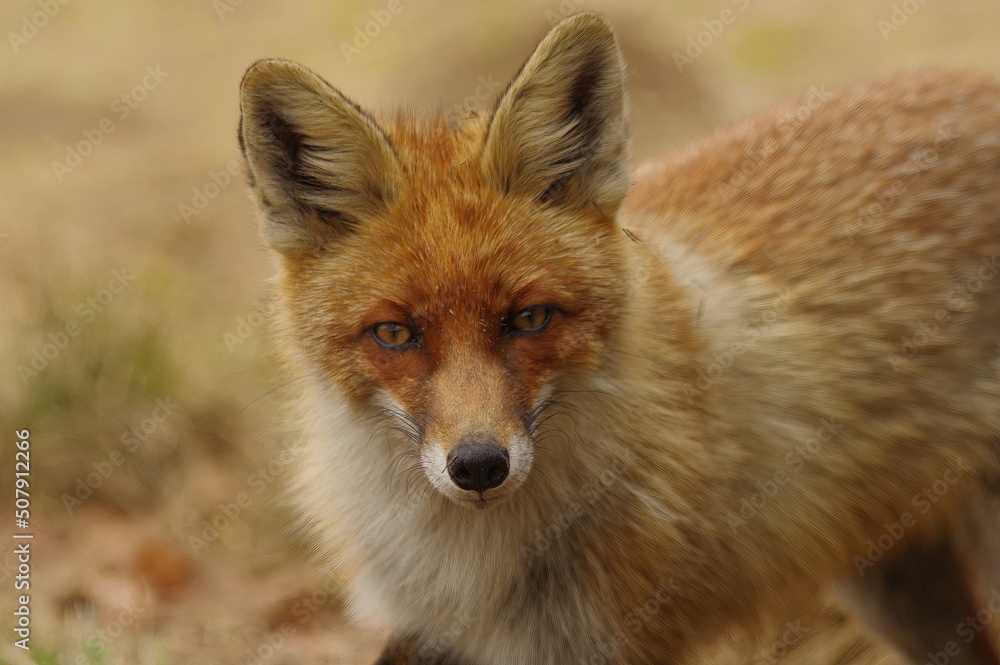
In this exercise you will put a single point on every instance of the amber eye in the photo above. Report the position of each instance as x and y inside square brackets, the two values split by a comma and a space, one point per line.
[392, 335]
[530, 320]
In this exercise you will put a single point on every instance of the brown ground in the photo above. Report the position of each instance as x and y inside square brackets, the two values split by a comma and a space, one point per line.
[164, 386]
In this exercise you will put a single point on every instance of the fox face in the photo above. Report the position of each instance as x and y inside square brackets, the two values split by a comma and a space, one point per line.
[452, 273]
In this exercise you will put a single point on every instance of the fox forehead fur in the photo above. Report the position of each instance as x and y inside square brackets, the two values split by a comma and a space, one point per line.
[450, 225]
[631, 459]
[455, 259]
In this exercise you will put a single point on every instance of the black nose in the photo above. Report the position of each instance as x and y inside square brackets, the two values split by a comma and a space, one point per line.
[478, 466]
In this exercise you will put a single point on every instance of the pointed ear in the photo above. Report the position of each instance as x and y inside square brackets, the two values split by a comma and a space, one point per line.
[318, 164]
[559, 132]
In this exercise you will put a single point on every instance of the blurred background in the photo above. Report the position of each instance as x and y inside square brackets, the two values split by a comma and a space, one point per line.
[134, 289]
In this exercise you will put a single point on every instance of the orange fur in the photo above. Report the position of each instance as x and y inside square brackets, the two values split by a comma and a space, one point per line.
[796, 340]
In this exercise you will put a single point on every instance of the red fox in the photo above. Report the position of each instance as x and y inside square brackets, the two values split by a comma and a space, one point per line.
[556, 411]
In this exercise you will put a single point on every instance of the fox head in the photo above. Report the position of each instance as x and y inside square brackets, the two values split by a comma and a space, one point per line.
[457, 273]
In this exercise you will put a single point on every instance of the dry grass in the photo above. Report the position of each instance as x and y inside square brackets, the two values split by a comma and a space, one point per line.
[154, 377]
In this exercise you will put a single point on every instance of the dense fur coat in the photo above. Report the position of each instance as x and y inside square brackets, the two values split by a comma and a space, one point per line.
[772, 362]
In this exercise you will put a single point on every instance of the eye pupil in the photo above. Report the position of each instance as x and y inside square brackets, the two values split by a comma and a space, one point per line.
[392, 334]
[532, 319]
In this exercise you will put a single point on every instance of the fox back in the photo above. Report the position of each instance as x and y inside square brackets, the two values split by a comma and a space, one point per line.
[554, 410]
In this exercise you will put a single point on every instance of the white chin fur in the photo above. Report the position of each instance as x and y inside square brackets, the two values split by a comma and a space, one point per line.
[435, 463]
